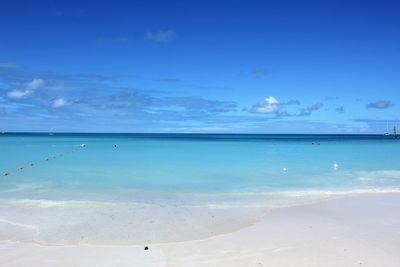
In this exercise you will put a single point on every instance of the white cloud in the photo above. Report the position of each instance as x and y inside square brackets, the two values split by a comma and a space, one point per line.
[59, 103]
[160, 36]
[27, 90]
[268, 105]
[19, 94]
[34, 84]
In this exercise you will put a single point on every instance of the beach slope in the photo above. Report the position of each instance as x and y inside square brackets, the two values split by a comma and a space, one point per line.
[352, 231]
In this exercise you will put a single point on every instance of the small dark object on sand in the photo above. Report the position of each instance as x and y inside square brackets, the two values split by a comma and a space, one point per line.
[146, 248]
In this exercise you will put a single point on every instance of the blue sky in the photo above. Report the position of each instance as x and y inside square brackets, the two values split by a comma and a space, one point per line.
[200, 66]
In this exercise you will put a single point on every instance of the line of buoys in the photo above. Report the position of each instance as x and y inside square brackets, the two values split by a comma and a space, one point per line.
[31, 164]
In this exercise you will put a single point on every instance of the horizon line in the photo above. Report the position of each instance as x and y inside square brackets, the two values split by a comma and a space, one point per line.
[201, 133]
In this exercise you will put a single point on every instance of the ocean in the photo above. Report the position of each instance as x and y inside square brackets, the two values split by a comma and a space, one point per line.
[58, 185]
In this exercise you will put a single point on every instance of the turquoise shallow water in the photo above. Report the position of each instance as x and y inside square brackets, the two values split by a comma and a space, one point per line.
[153, 164]
[155, 188]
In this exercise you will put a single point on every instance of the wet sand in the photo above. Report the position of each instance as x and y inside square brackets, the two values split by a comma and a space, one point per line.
[359, 230]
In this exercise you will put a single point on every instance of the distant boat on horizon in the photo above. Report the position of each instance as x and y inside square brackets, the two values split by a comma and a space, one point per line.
[51, 132]
[387, 129]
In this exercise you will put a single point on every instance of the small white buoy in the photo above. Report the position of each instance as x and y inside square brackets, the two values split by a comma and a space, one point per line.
[335, 166]
[284, 169]
[83, 145]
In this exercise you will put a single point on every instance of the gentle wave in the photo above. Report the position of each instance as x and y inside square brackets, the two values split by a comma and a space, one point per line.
[279, 195]
[374, 175]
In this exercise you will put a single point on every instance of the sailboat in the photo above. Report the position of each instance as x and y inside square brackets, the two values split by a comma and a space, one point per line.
[387, 129]
[51, 132]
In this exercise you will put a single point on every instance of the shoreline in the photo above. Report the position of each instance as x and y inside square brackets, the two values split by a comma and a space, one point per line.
[248, 215]
[281, 236]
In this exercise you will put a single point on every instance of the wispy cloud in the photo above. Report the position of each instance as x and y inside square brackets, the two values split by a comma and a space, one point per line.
[59, 103]
[382, 104]
[54, 99]
[376, 120]
[195, 103]
[290, 102]
[160, 36]
[19, 94]
[82, 96]
[9, 65]
[27, 90]
[34, 84]
[307, 111]
[340, 109]
[268, 105]
[271, 105]
[259, 72]
[352, 127]
[94, 77]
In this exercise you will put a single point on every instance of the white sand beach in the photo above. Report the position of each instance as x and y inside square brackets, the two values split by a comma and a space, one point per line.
[361, 230]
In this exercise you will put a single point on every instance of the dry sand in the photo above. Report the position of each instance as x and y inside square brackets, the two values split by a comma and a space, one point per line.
[352, 231]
